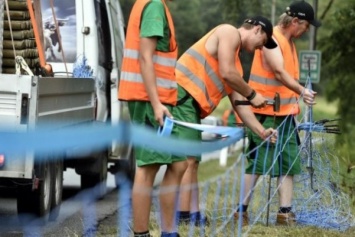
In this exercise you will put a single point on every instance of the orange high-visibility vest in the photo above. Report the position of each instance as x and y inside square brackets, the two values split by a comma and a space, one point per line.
[264, 82]
[131, 86]
[198, 73]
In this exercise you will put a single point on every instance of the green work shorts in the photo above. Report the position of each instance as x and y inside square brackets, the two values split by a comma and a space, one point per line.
[283, 154]
[142, 113]
[187, 110]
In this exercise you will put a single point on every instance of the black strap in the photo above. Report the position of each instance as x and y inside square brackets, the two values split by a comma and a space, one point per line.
[194, 102]
[262, 118]
[298, 140]
[182, 100]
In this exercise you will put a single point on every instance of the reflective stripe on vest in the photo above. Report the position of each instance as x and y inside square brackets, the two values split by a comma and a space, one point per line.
[198, 73]
[137, 78]
[131, 85]
[265, 83]
[199, 82]
[167, 62]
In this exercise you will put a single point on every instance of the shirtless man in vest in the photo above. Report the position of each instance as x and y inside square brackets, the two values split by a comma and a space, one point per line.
[277, 70]
[208, 71]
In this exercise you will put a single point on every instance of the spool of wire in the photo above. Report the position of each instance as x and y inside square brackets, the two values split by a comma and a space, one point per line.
[1, 31]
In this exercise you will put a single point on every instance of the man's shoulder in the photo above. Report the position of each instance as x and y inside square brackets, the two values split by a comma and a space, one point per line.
[226, 26]
[225, 29]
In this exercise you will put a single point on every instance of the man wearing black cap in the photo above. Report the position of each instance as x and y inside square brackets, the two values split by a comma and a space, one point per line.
[208, 71]
[276, 71]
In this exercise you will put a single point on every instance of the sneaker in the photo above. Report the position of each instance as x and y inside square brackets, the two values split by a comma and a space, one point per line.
[194, 219]
[286, 219]
[245, 219]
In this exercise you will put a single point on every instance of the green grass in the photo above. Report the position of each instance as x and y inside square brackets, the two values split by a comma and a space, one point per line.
[211, 170]
[322, 110]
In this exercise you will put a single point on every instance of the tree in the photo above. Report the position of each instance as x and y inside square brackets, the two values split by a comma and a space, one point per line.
[126, 6]
[210, 12]
[188, 25]
[338, 52]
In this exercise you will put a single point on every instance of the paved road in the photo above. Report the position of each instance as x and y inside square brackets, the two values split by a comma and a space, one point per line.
[71, 221]
[70, 218]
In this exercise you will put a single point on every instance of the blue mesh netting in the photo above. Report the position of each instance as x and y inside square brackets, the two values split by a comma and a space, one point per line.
[81, 69]
[318, 200]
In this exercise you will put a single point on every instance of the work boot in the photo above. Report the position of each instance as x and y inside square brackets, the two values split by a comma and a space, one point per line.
[245, 219]
[286, 219]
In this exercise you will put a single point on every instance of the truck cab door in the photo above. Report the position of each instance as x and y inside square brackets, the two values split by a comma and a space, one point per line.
[119, 109]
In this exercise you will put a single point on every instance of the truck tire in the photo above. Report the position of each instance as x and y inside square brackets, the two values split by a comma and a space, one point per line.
[97, 180]
[126, 169]
[57, 188]
[37, 203]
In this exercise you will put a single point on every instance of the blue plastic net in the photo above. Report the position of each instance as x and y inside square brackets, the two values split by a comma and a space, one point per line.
[318, 199]
[81, 69]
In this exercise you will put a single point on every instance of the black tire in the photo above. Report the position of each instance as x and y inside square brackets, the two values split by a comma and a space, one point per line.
[126, 169]
[33, 204]
[57, 188]
[99, 179]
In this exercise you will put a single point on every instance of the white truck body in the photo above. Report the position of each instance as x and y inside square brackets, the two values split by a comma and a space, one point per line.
[91, 28]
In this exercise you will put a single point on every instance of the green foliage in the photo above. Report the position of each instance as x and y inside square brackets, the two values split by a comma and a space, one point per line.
[210, 12]
[187, 13]
[338, 55]
[194, 18]
[126, 6]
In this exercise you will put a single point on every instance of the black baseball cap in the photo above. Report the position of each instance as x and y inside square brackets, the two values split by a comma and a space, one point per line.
[304, 11]
[266, 26]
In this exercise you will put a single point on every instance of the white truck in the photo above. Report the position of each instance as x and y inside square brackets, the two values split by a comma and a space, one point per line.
[94, 30]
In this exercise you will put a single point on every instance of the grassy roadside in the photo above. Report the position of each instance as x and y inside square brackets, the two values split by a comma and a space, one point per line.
[208, 171]
[322, 110]
[211, 169]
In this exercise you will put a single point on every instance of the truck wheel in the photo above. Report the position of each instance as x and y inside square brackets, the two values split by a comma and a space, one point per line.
[37, 203]
[57, 188]
[99, 179]
[126, 169]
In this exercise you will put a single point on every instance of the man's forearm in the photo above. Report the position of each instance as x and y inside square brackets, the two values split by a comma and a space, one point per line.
[249, 119]
[149, 79]
[237, 83]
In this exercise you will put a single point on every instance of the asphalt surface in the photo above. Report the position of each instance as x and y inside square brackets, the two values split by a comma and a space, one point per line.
[72, 220]
[77, 217]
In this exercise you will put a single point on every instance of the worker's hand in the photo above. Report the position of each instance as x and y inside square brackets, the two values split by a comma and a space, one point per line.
[258, 101]
[309, 97]
[160, 112]
[271, 134]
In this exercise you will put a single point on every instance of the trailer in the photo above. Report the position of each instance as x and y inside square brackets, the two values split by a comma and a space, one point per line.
[30, 97]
